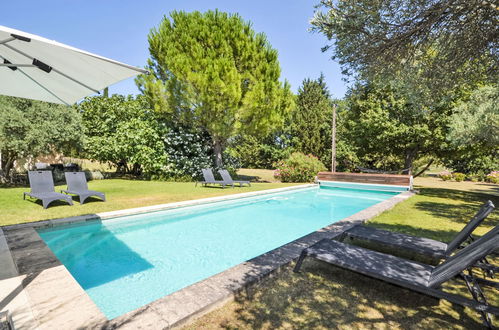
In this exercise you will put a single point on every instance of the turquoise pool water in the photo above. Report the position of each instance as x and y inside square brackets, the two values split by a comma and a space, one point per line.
[127, 262]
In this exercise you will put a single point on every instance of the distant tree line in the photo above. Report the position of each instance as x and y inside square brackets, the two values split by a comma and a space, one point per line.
[215, 97]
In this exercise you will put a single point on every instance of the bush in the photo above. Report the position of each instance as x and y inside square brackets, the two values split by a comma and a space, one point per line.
[493, 177]
[473, 177]
[472, 162]
[94, 175]
[188, 152]
[298, 168]
[257, 153]
[445, 175]
[459, 176]
[58, 175]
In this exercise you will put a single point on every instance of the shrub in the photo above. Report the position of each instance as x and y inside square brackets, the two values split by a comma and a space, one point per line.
[471, 161]
[187, 151]
[298, 168]
[473, 177]
[445, 175]
[459, 176]
[94, 175]
[257, 153]
[493, 177]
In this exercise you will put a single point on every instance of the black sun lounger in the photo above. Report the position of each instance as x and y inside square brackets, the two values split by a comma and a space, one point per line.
[77, 185]
[209, 178]
[413, 275]
[42, 187]
[419, 245]
[226, 177]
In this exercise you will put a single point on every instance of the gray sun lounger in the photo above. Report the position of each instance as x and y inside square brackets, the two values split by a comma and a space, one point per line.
[226, 177]
[209, 178]
[413, 275]
[42, 188]
[419, 245]
[77, 185]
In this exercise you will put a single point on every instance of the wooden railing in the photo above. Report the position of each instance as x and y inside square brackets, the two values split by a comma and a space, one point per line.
[389, 179]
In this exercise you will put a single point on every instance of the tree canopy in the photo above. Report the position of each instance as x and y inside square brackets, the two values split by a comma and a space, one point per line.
[474, 133]
[390, 132]
[213, 72]
[476, 121]
[124, 132]
[451, 41]
[311, 120]
[31, 128]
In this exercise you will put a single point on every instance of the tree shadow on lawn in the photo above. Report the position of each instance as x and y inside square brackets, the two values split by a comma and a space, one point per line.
[468, 203]
[252, 178]
[324, 296]
[56, 203]
[51, 205]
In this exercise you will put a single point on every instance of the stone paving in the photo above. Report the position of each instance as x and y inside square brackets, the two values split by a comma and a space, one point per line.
[41, 293]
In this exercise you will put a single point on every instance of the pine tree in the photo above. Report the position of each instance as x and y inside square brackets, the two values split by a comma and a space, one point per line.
[312, 119]
[213, 72]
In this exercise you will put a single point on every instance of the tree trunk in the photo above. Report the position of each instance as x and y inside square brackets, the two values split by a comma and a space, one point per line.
[217, 150]
[7, 164]
[8, 167]
[409, 159]
[425, 168]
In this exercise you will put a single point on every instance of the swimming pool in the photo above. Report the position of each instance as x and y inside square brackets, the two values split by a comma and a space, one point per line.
[127, 262]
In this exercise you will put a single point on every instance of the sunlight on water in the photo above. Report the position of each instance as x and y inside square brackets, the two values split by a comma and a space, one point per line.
[128, 262]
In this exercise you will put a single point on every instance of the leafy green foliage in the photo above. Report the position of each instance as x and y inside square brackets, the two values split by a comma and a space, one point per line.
[253, 152]
[445, 175]
[31, 128]
[477, 120]
[471, 160]
[211, 71]
[188, 153]
[459, 177]
[124, 132]
[298, 168]
[385, 38]
[390, 133]
[311, 121]
[474, 133]
[493, 177]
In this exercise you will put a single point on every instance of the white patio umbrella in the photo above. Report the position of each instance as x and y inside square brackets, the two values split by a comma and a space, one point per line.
[37, 68]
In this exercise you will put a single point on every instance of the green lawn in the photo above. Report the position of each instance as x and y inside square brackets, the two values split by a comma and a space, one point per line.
[326, 297]
[121, 194]
[321, 297]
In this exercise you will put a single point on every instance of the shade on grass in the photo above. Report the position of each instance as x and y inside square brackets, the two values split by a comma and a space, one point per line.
[120, 194]
[326, 297]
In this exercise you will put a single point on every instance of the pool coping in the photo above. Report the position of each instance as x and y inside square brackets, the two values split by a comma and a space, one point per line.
[148, 209]
[56, 300]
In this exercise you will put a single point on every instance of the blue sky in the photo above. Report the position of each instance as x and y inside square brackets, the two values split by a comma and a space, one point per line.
[118, 30]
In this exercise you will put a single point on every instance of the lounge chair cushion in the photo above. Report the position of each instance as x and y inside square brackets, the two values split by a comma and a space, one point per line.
[411, 244]
[371, 263]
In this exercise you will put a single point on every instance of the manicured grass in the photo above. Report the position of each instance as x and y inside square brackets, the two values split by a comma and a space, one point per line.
[325, 297]
[258, 175]
[121, 194]
[441, 209]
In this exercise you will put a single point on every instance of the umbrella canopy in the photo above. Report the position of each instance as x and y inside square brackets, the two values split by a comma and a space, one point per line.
[37, 68]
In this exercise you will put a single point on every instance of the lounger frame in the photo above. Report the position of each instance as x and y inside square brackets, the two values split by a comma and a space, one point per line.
[77, 185]
[228, 178]
[419, 245]
[42, 188]
[459, 265]
[209, 178]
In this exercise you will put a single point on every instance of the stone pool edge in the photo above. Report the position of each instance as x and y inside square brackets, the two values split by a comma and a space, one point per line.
[41, 271]
[147, 209]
